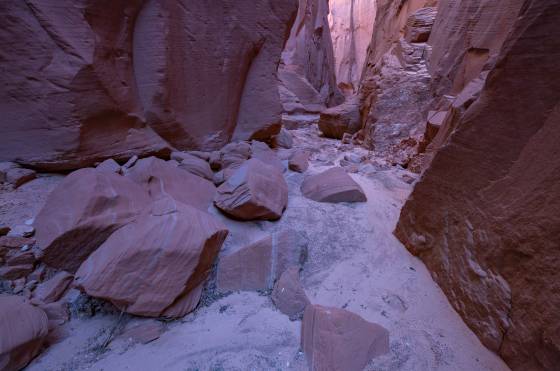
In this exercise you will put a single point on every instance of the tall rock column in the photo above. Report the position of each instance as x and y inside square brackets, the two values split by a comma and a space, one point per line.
[485, 216]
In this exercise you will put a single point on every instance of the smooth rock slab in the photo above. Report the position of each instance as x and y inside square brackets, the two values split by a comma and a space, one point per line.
[335, 339]
[23, 329]
[333, 185]
[255, 191]
[156, 263]
[79, 215]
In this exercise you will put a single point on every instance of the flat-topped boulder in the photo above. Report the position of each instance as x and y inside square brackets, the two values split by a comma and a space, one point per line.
[333, 185]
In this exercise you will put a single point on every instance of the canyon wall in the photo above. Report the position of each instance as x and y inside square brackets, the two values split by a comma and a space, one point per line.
[351, 24]
[485, 216]
[86, 80]
[307, 71]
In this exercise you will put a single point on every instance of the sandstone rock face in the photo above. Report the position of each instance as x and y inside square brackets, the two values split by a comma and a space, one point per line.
[335, 339]
[23, 329]
[255, 191]
[484, 217]
[116, 85]
[351, 23]
[333, 185]
[161, 258]
[419, 25]
[79, 215]
[53, 289]
[307, 69]
[160, 178]
[299, 162]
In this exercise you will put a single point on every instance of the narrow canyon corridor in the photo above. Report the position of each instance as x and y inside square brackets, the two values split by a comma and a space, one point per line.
[323, 185]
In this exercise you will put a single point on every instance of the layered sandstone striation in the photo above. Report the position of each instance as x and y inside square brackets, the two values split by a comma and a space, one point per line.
[86, 80]
[484, 217]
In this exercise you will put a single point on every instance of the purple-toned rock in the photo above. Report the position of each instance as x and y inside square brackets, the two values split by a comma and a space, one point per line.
[247, 269]
[142, 332]
[57, 313]
[193, 165]
[335, 339]
[162, 257]
[23, 329]
[283, 140]
[255, 191]
[419, 25]
[299, 162]
[4, 230]
[19, 176]
[79, 215]
[333, 185]
[261, 151]
[16, 271]
[345, 118]
[160, 178]
[53, 289]
[18, 257]
[235, 154]
[288, 294]
[110, 166]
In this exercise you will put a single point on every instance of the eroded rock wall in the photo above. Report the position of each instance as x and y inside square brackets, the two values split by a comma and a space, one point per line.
[86, 80]
[351, 23]
[307, 71]
[485, 217]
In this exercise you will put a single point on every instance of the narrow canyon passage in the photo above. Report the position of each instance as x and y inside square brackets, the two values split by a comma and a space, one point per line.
[323, 185]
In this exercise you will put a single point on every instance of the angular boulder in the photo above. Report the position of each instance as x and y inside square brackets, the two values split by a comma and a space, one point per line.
[110, 166]
[235, 154]
[288, 294]
[160, 259]
[53, 289]
[193, 165]
[79, 215]
[345, 118]
[333, 185]
[23, 329]
[256, 191]
[160, 178]
[299, 162]
[261, 151]
[335, 339]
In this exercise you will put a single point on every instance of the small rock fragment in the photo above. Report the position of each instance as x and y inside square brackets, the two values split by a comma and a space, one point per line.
[143, 332]
[283, 139]
[110, 166]
[288, 294]
[4, 230]
[19, 176]
[16, 271]
[299, 161]
[22, 231]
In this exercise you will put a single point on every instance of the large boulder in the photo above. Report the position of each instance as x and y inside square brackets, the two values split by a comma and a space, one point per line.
[345, 118]
[333, 185]
[160, 178]
[23, 329]
[157, 262]
[79, 215]
[335, 339]
[116, 85]
[255, 191]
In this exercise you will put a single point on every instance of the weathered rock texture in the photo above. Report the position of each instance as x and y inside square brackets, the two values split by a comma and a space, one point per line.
[485, 216]
[307, 70]
[333, 185]
[23, 329]
[99, 79]
[351, 23]
[155, 265]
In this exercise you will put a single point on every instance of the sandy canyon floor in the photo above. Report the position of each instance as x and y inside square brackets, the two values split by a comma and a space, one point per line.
[354, 262]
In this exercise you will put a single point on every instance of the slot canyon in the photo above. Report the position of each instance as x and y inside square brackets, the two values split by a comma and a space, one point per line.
[325, 185]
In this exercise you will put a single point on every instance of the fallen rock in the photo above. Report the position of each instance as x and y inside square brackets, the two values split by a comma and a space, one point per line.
[129, 163]
[19, 176]
[333, 185]
[79, 215]
[258, 265]
[261, 151]
[288, 294]
[23, 329]
[293, 122]
[193, 165]
[16, 271]
[110, 166]
[201, 155]
[149, 264]
[345, 118]
[299, 162]
[57, 313]
[15, 242]
[22, 231]
[215, 160]
[53, 289]
[255, 191]
[161, 178]
[283, 139]
[235, 154]
[4, 168]
[18, 257]
[335, 339]
[248, 268]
